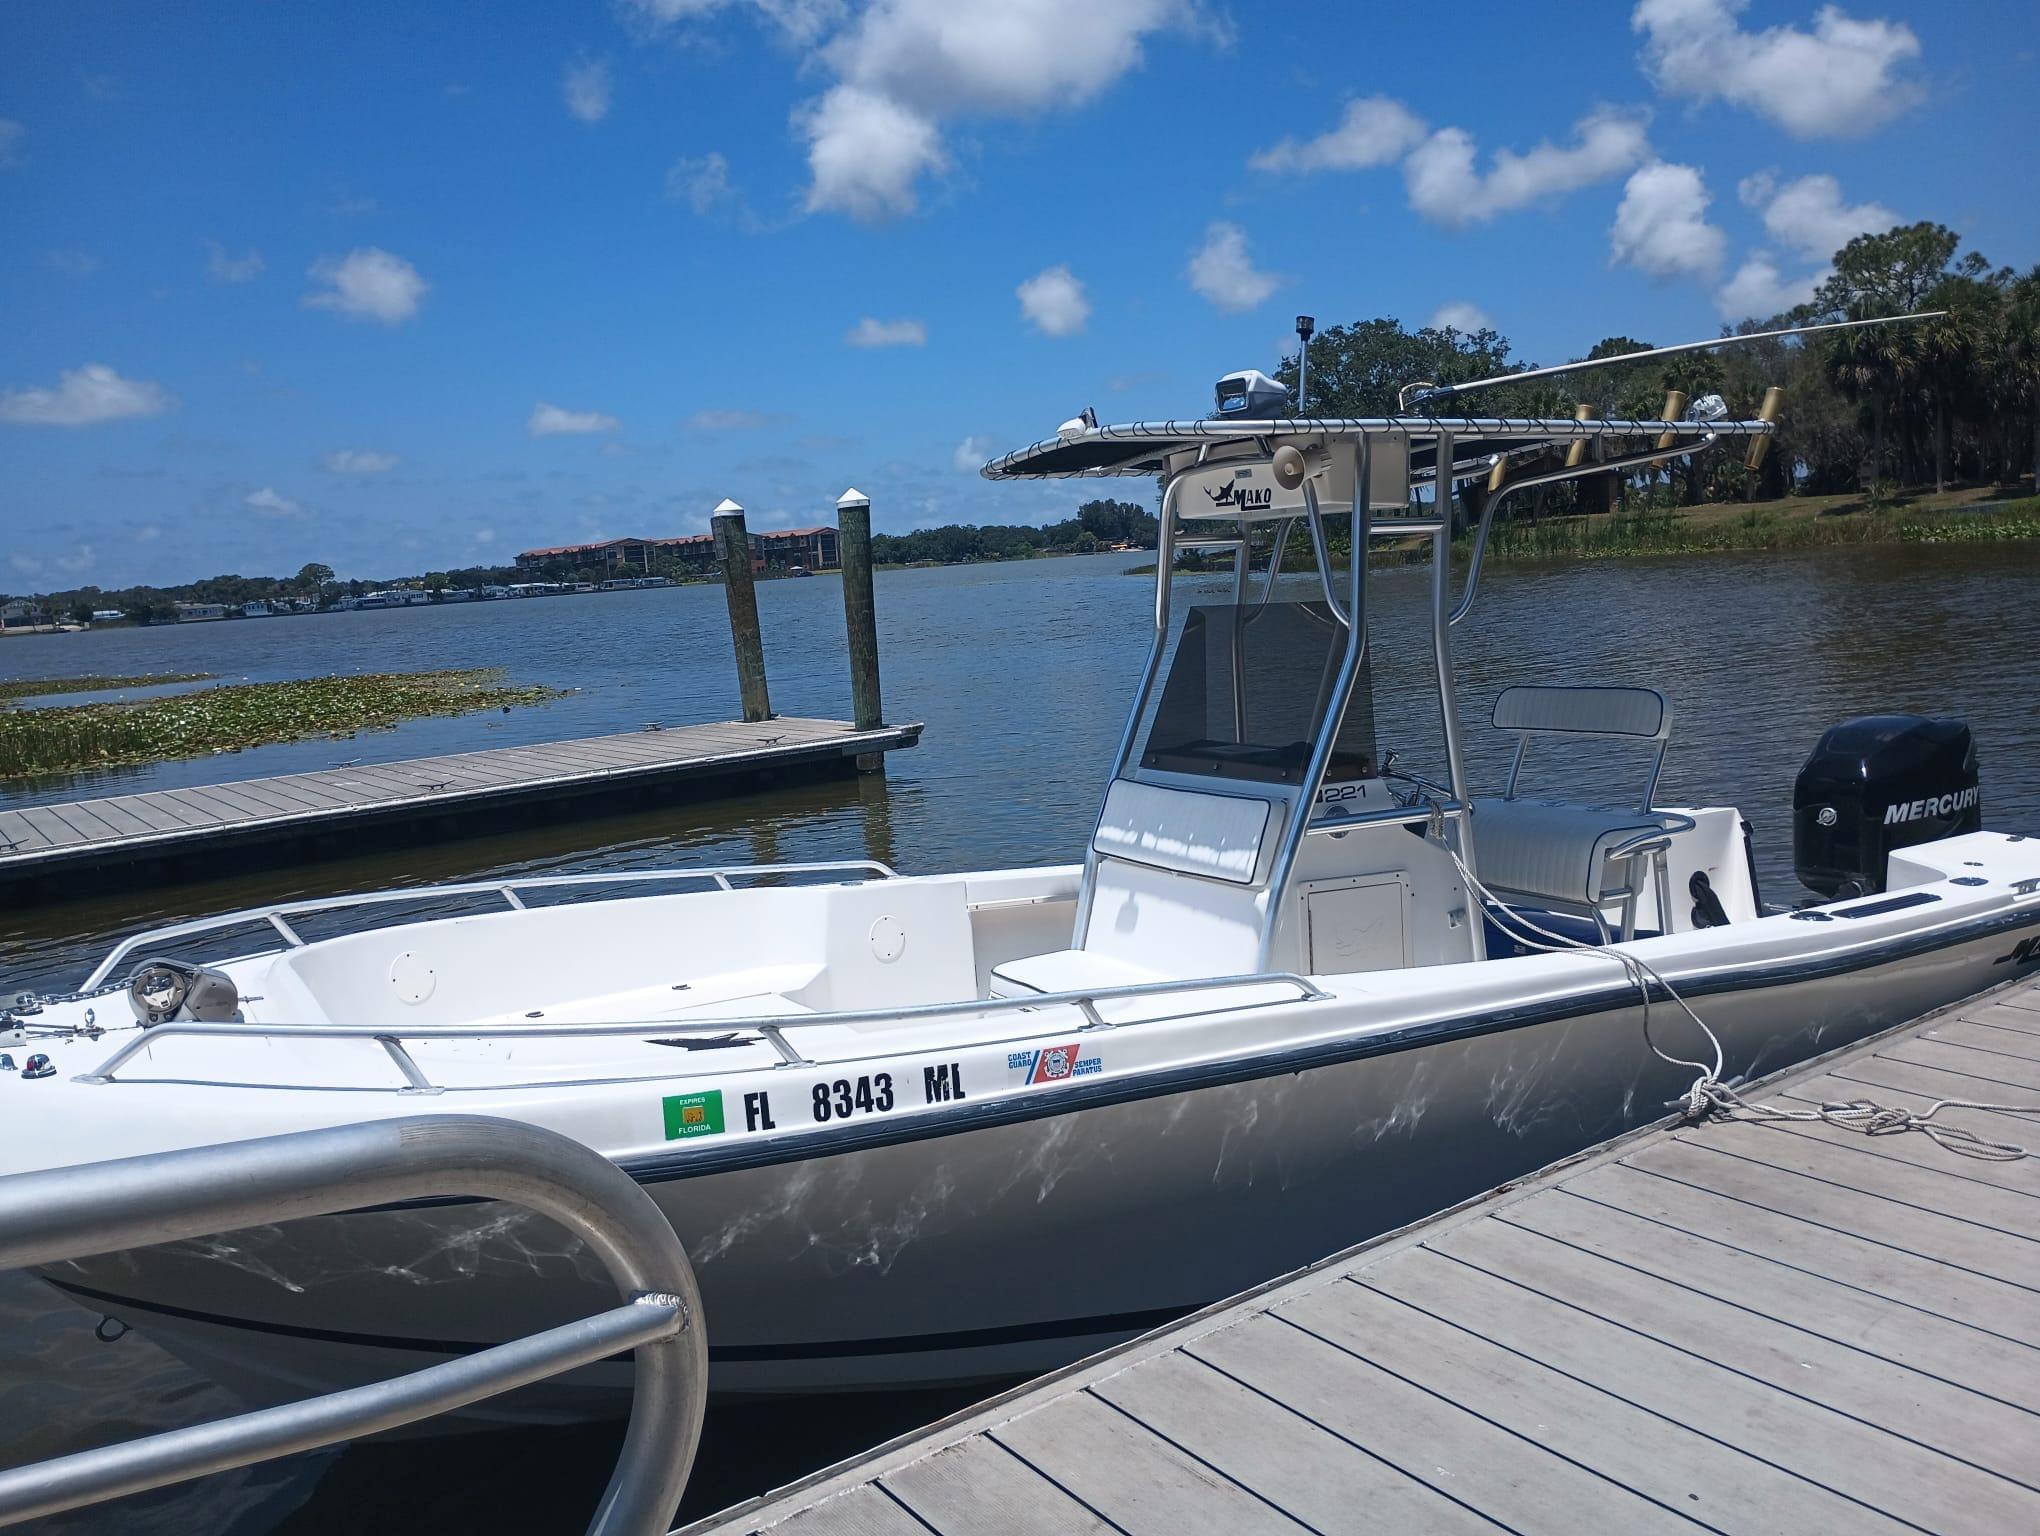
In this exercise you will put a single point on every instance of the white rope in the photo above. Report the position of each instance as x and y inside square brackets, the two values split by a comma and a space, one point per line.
[1709, 1096]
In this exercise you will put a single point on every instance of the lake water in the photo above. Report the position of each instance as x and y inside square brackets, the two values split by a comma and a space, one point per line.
[1021, 673]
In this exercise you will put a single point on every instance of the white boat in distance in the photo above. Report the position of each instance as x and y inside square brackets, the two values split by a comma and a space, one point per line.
[957, 1127]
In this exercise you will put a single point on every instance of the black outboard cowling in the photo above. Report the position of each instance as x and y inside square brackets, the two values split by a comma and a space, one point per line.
[1876, 784]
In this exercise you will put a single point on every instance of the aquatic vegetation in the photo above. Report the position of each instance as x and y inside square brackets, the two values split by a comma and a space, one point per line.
[91, 682]
[66, 739]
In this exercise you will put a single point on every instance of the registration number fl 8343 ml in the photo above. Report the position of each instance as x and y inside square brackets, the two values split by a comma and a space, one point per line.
[847, 1096]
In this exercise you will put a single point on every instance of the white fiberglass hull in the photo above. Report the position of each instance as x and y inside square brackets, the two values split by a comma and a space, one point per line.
[1006, 1234]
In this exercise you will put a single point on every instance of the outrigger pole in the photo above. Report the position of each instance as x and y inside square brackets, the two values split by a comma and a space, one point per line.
[1429, 394]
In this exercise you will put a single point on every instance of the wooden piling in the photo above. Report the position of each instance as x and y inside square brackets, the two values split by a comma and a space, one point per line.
[860, 611]
[733, 550]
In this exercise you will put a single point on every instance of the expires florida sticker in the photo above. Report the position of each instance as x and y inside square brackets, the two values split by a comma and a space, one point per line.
[694, 1114]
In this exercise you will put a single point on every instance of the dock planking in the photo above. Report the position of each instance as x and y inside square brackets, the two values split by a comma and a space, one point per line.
[1733, 1327]
[70, 838]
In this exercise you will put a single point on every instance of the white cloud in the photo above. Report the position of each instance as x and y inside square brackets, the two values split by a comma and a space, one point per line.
[866, 152]
[84, 397]
[1661, 226]
[586, 88]
[801, 21]
[553, 421]
[904, 66]
[1223, 271]
[367, 284]
[1461, 315]
[358, 461]
[1445, 186]
[1809, 215]
[11, 135]
[970, 453]
[1053, 299]
[72, 261]
[1375, 130]
[870, 332]
[1760, 289]
[702, 182]
[222, 267]
[268, 502]
[1842, 78]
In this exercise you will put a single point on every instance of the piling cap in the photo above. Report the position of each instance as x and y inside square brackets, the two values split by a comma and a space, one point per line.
[728, 508]
[853, 498]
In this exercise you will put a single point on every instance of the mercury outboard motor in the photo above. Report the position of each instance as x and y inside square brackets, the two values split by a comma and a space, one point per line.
[1877, 784]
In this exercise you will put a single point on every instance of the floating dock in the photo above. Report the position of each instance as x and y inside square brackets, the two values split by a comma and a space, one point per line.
[323, 812]
[1725, 1327]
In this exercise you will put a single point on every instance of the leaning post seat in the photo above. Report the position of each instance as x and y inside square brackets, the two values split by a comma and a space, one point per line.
[1576, 857]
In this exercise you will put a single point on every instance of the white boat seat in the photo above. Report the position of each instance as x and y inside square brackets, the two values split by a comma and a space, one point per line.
[1580, 856]
[1067, 970]
[1561, 852]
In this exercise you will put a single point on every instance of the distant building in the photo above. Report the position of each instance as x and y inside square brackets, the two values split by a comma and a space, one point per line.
[196, 613]
[815, 548]
[107, 615]
[22, 612]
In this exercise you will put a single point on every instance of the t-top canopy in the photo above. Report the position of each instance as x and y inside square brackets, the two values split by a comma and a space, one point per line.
[1145, 448]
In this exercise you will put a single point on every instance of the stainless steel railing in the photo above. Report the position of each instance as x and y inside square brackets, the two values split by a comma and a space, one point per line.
[277, 915]
[72, 1213]
[772, 1028]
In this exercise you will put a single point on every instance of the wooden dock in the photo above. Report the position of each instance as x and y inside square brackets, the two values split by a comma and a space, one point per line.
[314, 812]
[1729, 1327]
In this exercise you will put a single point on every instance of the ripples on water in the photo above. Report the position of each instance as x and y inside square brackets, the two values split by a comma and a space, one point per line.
[1021, 673]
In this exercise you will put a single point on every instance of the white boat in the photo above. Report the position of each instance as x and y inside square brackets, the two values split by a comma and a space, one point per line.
[955, 1127]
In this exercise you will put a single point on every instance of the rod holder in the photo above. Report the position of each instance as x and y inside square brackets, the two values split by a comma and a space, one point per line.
[1772, 408]
[733, 551]
[1675, 402]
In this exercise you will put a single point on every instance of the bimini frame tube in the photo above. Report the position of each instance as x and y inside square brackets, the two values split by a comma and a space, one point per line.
[1355, 619]
[1705, 441]
[1441, 638]
[1165, 561]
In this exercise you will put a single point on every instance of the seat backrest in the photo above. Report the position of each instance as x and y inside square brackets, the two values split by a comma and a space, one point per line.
[1178, 879]
[1574, 711]
[1635, 714]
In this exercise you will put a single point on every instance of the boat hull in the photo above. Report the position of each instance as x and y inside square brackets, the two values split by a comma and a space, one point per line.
[973, 1251]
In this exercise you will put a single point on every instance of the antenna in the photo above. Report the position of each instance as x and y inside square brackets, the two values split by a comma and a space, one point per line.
[1431, 394]
[1305, 328]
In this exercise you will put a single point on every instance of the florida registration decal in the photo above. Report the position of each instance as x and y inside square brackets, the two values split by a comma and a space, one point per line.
[694, 1114]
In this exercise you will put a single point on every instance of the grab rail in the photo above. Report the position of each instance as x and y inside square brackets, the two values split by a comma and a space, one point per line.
[61, 1214]
[275, 915]
[773, 1028]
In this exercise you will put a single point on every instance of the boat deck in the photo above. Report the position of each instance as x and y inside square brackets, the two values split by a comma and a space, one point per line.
[126, 830]
[1727, 1327]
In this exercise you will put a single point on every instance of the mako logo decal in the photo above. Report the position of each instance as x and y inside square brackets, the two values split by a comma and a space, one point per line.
[1933, 805]
[1239, 496]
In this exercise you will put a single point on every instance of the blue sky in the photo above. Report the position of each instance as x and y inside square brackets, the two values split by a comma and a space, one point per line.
[403, 287]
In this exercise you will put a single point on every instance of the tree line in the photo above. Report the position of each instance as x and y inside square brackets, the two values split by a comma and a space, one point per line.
[1951, 399]
[1097, 525]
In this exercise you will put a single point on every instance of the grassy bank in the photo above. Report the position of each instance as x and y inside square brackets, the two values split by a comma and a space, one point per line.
[92, 682]
[64, 740]
[1795, 523]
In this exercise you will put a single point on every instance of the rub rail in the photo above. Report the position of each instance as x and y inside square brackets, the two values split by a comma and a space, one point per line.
[72, 1213]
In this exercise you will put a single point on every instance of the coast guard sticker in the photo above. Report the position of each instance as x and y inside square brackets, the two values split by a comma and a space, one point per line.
[693, 1114]
[1052, 1064]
